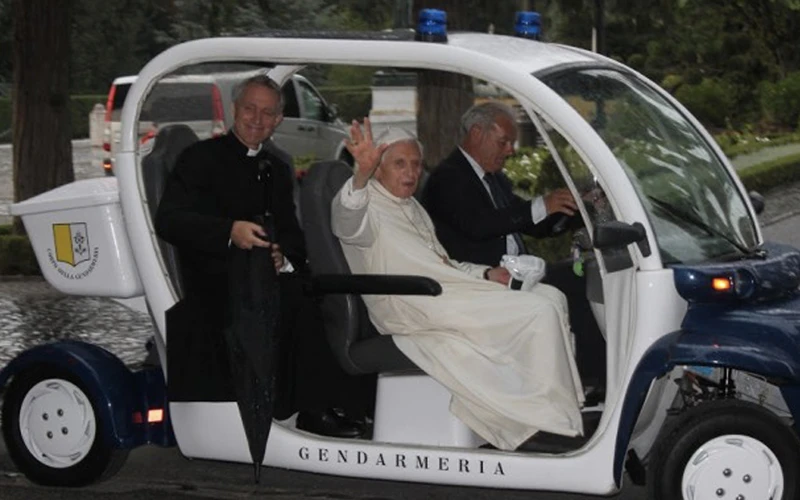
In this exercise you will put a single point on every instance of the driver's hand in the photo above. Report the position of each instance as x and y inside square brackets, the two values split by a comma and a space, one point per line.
[560, 200]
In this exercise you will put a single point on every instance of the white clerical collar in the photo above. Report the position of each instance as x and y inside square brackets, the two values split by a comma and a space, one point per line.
[253, 152]
[250, 151]
[474, 164]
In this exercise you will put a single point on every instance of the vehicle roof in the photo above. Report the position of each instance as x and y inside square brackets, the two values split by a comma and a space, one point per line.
[530, 54]
[376, 50]
[193, 78]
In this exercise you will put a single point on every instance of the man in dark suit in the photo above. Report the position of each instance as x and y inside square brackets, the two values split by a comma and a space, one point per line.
[479, 219]
[477, 216]
[215, 191]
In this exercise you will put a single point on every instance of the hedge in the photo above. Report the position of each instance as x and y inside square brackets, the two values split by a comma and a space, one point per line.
[16, 255]
[80, 107]
[771, 174]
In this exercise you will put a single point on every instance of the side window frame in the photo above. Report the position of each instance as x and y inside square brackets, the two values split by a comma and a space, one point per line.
[307, 90]
[291, 107]
[602, 205]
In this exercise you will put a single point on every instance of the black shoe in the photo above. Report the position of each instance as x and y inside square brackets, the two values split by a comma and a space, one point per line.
[594, 397]
[591, 419]
[329, 422]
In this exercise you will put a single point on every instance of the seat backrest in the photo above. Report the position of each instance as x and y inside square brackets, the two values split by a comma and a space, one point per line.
[169, 143]
[355, 342]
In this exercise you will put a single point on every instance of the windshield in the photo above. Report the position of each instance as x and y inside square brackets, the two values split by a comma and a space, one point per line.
[693, 205]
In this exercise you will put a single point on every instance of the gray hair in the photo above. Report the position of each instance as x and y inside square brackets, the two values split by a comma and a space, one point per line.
[484, 115]
[395, 135]
[261, 80]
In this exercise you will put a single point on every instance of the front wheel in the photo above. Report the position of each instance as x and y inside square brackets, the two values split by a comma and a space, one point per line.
[53, 432]
[726, 449]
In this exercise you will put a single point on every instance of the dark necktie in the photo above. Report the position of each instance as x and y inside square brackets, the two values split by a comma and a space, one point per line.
[500, 202]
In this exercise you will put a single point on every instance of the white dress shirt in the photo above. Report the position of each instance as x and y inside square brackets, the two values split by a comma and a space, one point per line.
[538, 209]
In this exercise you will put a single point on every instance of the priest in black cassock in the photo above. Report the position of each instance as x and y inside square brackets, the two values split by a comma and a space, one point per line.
[211, 198]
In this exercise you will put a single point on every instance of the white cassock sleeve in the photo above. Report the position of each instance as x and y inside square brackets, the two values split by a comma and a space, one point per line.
[350, 221]
[474, 270]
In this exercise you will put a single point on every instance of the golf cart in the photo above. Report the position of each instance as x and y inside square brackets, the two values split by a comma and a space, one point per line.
[700, 316]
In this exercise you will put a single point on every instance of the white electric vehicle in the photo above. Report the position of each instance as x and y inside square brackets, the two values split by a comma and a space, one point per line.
[700, 316]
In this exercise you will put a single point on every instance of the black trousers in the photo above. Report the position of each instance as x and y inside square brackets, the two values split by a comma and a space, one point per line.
[312, 378]
[307, 376]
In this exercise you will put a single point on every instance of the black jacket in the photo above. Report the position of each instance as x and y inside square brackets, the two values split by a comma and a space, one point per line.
[213, 184]
[467, 223]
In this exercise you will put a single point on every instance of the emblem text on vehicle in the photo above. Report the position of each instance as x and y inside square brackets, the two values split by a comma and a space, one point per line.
[403, 461]
[71, 255]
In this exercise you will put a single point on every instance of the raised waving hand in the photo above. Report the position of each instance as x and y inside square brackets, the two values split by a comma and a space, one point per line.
[364, 151]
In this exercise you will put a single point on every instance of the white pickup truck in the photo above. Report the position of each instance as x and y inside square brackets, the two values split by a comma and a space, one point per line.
[310, 126]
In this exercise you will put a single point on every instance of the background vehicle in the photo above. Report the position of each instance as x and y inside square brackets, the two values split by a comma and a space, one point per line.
[700, 316]
[203, 102]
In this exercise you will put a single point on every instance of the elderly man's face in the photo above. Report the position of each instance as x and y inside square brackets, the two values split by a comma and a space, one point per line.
[494, 145]
[256, 114]
[400, 169]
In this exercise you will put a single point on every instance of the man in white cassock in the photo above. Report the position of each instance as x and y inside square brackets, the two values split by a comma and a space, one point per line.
[505, 356]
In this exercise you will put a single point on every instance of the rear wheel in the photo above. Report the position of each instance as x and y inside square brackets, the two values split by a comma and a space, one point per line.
[726, 449]
[53, 432]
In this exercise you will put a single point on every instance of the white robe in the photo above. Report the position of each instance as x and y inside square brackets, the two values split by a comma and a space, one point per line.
[505, 356]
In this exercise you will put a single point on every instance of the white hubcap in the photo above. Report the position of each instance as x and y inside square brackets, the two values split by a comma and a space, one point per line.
[57, 423]
[733, 467]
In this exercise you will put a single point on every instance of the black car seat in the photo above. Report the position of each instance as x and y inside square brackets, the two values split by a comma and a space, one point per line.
[356, 343]
[169, 143]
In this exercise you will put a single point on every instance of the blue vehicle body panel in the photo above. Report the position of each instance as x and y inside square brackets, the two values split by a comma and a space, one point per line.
[757, 331]
[117, 392]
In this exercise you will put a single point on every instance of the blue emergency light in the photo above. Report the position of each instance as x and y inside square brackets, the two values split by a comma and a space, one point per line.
[432, 25]
[528, 24]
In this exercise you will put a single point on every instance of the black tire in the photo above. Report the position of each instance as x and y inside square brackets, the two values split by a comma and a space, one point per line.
[696, 429]
[99, 459]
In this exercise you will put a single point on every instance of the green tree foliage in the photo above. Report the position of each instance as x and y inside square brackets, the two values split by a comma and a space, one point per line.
[738, 43]
[705, 44]
[113, 38]
[780, 101]
[711, 101]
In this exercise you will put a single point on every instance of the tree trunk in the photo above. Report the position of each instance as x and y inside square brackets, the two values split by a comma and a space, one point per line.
[42, 133]
[441, 97]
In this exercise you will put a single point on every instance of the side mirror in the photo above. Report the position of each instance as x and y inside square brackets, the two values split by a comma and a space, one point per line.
[615, 234]
[333, 112]
[757, 201]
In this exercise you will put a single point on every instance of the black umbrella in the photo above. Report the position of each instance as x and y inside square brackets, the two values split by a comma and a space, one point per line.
[252, 338]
